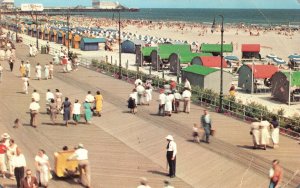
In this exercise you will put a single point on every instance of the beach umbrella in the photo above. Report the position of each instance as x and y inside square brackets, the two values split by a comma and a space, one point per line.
[279, 61]
[294, 56]
[271, 56]
[232, 58]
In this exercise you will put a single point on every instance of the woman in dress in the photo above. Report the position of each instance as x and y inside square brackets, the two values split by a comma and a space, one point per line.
[22, 69]
[264, 133]
[25, 84]
[275, 132]
[76, 111]
[38, 71]
[42, 168]
[53, 111]
[168, 104]
[98, 102]
[10, 153]
[87, 112]
[148, 95]
[58, 98]
[46, 69]
[66, 105]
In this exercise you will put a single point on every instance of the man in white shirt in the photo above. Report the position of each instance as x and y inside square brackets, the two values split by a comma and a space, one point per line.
[186, 96]
[19, 164]
[177, 101]
[34, 109]
[89, 97]
[171, 155]
[49, 96]
[36, 96]
[81, 154]
[161, 105]
[140, 90]
[27, 69]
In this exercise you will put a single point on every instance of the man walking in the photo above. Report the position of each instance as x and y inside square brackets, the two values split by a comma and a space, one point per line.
[186, 96]
[34, 109]
[171, 155]
[206, 124]
[29, 181]
[275, 174]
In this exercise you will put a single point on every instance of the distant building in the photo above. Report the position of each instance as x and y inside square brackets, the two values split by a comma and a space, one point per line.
[106, 4]
[7, 4]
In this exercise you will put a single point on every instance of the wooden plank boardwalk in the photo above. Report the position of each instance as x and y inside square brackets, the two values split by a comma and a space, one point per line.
[223, 163]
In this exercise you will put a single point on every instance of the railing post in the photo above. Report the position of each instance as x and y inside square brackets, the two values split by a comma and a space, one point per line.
[244, 112]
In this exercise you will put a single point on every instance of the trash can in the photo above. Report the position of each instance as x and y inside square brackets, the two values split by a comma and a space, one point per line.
[43, 50]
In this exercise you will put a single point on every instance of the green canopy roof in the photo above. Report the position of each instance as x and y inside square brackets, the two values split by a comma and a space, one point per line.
[93, 40]
[146, 51]
[295, 77]
[165, 50]
[187, 57]
[216, 48]
[198, 69]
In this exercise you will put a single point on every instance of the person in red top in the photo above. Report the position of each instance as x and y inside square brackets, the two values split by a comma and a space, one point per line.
[3, 150]
[276, 174]
[173, 85]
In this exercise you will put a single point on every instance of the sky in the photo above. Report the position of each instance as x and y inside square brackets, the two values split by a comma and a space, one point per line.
[256, 4]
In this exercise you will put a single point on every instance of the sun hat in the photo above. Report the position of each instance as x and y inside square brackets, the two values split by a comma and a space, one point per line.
[5, 135]
[80, 145]
[170, 137]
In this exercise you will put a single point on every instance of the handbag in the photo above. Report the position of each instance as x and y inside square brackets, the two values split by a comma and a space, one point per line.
[62, 111]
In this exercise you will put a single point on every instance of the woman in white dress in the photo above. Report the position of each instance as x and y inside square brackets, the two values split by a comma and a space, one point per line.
[168, 104]
[10, 153]
[42, 168]
[25, 84]
[264, 133]
[148, 95]
[275, 132]
[46, 69]
[58, 99]
[255, 134]
[38, 71]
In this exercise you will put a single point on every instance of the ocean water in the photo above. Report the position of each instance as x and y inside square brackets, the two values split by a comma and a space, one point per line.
[232, 16]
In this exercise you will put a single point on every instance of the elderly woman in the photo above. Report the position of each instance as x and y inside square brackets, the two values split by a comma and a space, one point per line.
[42, 167]
[255, 134]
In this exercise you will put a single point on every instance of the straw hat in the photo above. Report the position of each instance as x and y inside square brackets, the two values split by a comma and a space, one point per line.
[170, 137]
[144, 180]
[5, 135]
[80, 145]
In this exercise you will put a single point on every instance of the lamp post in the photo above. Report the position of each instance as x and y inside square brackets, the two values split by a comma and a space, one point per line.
[221, 75]
[17, 21]
[68, 23]
[120, 53]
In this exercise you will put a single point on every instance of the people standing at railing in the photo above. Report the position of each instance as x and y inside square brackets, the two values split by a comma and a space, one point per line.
[275, 132]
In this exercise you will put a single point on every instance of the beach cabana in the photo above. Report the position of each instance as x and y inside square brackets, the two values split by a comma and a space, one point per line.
[60, 37]
[177, 60]
[285, 85]
[215, 49]
[91, 44]
[128, 46]
[76, 41]
[207, 78]
[68, 39]
[53, 35]
[250, 51]
[256, 78]
[164, 52]
[209, 61]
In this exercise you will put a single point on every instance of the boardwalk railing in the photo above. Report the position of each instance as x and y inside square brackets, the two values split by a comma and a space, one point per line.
[231, 107]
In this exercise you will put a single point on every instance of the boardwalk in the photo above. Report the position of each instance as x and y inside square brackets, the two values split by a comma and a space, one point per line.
[124, 147]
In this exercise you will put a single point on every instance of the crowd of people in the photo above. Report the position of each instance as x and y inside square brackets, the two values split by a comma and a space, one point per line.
[261, 135]
[13, 165]
[92, 105]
